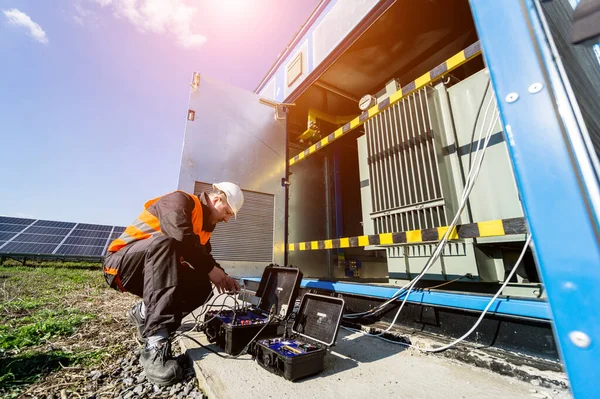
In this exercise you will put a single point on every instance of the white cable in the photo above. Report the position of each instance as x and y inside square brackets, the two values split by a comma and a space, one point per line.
[244, 292]
[485, 310]
[469, 184]
[490, 101]
[203, 308]
[471, 179]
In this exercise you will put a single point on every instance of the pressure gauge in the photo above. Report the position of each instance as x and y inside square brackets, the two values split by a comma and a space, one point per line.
[366, 102]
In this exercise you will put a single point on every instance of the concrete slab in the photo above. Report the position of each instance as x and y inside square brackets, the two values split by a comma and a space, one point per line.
[358, 366]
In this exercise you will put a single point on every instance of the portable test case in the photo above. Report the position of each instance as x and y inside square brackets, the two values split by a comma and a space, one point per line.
[315, 329]
[233, 329]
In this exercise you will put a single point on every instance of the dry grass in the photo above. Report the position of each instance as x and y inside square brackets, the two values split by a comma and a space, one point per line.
[59, 322]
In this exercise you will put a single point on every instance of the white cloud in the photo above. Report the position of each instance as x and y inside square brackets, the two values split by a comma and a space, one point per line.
[159, 16]
[85, 16]
[81, 13]
[19, 18]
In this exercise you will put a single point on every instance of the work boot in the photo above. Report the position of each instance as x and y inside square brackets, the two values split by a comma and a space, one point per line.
[160, 366]
[135, 318]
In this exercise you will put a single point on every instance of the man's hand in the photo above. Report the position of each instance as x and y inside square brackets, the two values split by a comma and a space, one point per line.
[222, 281]
[232, 285]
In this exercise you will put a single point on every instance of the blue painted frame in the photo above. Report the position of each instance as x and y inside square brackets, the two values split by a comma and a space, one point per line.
[542, 138]
[530, 308]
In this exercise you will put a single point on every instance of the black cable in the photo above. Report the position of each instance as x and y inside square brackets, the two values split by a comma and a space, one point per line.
[475, 123]
[221, 306]
[271, 317]
[245, 349]
[198, 323]
[242, 352]
[207, 347]
[214, 299]
[194, 327]
[286, 321]
[376, 310]
[203, 310]
[447, 282]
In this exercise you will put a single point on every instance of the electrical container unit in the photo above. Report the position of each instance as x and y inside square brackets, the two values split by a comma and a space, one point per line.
[397, 170]
[234, 329]
[366, 129]
[422, 104]
[414, 159]
[302, 354]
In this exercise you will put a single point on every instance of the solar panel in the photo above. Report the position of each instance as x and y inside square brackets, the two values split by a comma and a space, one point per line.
[20, 236]
[12, 227]
[28, 248]
[86, 241]
[114, 236]
[11, 220]
[52, 223]
[80, 250]
[90, 233]
[38, 238]
[5, 236]
[48, 230]
[97, 227]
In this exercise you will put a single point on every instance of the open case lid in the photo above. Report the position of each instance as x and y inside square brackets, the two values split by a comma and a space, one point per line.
[319, 318]
[279, 286]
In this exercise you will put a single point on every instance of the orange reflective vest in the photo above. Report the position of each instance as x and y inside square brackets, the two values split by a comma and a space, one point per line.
[148, 225]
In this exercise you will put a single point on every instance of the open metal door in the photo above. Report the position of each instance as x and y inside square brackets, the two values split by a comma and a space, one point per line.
[556, 173]
[231, 135]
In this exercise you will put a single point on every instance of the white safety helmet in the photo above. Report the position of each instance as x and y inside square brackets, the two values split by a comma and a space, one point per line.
[235, 197]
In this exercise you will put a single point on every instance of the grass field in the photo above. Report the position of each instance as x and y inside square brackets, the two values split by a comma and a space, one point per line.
[56, 321]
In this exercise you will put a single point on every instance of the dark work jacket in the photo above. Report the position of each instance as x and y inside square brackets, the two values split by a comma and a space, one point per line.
[179, 215]
[174, 211]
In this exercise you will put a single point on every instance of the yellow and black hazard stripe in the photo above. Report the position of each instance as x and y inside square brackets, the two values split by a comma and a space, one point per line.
[491, 228]
[451, 63]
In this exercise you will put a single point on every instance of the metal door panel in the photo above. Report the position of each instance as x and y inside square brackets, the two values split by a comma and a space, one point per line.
[231, 136]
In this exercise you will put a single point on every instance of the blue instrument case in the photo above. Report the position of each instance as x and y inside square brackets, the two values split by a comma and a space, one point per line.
[315, 329]
[232, 330]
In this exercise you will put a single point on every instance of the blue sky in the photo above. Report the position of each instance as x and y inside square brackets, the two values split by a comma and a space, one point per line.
[94, 93]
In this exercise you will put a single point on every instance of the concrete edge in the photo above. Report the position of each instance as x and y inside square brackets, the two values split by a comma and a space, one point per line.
[203, 381]
[496, 361]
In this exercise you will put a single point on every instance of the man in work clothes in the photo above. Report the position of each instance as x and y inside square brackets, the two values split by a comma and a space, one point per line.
[164, 258]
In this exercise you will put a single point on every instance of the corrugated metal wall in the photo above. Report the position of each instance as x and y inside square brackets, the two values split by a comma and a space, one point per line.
[581, 65]
[248, 238]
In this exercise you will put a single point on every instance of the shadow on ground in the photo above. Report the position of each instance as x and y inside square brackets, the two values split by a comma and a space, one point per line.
[24, 369]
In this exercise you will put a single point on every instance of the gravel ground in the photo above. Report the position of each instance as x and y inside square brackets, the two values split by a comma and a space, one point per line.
[122, 378]
[126, 379]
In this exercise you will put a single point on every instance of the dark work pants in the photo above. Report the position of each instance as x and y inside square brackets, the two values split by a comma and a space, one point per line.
[152, 270]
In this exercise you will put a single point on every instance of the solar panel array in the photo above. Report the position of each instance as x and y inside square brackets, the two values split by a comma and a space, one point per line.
[20, 236]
